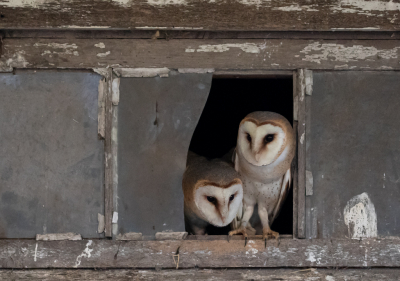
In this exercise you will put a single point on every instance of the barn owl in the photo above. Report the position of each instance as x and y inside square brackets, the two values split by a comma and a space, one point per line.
[264, 152]
[212, 191]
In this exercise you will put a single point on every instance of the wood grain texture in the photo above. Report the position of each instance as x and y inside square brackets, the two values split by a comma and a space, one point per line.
[203, 274]
[204, 15]
[257, 54]
[108, 161]
[203, 254]
[301, 153]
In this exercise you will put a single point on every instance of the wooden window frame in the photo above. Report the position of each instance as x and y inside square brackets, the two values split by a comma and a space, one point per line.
[283, 56]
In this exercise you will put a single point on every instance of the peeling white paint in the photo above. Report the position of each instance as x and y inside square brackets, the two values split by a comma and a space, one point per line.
[362, 6]
[102, 55]
[302, 138]
[360, 217]
[329, 278]
[164, 2]
[355, 29]
[245, 47]
[34, 259]
[196, 70]
[58, 236]
[115, 91]
[100, 45]
[86, 253]
[141, 72]
[85, 27]
[17, 60]
[165, 27]
[315, 52]
[115, 217]
[60, 49]
[297, 7]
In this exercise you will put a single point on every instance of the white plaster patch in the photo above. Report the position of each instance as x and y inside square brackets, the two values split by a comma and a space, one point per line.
[102, 55]
[245, 47]
[360, 217]
[339, 52]
[100, 45]
[86, 253]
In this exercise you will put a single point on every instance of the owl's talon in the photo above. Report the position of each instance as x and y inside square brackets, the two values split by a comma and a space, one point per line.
[265, 242]
[245, 241]
[269, 233]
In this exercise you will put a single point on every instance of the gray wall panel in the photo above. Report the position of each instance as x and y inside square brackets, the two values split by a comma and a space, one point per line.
[156, 120]
[354, 146]
[51, 168]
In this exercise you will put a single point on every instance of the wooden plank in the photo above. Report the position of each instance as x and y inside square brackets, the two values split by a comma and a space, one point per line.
[189, 14]
[294, 162]
[198, 34]
[386, 274]
[108, 161]
[301, 153]
[248, 54]
[202, 254]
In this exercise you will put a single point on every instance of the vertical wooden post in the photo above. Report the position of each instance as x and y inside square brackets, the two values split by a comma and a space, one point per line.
[108, 176]
[294, 162]
[301, 154]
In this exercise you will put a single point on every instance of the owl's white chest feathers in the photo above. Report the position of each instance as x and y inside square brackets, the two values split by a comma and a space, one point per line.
[262, 185]
[263, 194]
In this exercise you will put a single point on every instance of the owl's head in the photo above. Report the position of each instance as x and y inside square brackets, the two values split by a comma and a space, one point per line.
[218, 203]
[263, 136]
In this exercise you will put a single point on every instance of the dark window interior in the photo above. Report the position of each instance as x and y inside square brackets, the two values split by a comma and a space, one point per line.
[229, 101]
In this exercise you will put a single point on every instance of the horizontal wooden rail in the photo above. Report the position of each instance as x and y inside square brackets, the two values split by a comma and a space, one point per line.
[199, 253]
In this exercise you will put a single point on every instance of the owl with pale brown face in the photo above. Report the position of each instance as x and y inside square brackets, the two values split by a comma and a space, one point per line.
[265, 149]
[212, 193]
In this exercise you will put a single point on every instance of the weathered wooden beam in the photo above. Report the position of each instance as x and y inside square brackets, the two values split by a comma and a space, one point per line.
[198, 34]
[108, 161]
[301, 152]
[258, 54]
[196, 253]
[386, 274]
[201, 15]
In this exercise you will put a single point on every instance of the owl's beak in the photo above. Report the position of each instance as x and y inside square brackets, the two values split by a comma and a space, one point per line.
[257, 156]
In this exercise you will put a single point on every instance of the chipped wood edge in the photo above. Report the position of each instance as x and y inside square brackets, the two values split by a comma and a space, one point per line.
[141, 72]
[108, 163]
[130, 236]
[171, 235]
[301, 155]
[58, 237]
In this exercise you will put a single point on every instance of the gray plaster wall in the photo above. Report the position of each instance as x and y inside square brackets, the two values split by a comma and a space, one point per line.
[156, 120]
[51, 168]
[353, 151]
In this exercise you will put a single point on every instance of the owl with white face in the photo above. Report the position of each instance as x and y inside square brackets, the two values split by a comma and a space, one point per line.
[264, 152]
[213, 193]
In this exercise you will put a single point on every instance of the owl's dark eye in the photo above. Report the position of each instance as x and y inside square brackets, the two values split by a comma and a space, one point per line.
[211, 199]
[269, 138]
[231, 197]
[248, 137]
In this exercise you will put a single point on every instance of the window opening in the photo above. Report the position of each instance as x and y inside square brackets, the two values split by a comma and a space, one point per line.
[229, 101]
